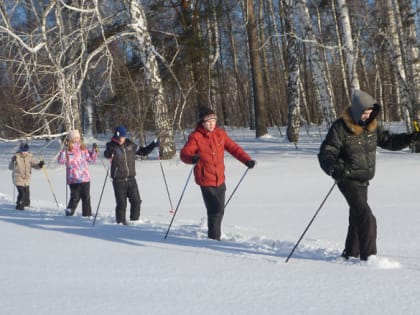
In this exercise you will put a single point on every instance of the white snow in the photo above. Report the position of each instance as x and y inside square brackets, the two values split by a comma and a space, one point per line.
[51, 264]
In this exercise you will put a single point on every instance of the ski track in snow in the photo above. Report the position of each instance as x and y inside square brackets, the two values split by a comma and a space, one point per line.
[189, 235]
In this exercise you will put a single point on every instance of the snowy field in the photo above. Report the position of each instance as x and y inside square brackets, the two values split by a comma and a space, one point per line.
[51, 264]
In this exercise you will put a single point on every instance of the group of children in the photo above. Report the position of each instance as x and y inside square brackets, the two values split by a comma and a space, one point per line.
[205, 149]
[74, 155]
[77, 157]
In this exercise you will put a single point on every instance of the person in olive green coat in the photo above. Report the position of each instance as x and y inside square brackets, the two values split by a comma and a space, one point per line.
[21, 165]
[348, 154]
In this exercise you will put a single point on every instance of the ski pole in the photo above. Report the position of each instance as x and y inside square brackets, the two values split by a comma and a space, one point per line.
[100, 198]
[13, 177]
[51, 187]
[231, 195]
[179, 201]
[310, 222]
[166, 183]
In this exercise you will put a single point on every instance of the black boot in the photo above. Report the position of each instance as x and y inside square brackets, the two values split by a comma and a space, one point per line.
[69, 212]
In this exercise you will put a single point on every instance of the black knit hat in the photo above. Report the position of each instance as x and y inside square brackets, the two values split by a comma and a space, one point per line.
[204, 112]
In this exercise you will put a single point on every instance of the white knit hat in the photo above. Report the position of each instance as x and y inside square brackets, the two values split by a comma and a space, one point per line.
[73, 134]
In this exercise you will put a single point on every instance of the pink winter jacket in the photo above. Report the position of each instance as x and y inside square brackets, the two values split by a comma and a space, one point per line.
[76, 162]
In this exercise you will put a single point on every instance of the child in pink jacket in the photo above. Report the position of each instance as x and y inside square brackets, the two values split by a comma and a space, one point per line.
[76, 157]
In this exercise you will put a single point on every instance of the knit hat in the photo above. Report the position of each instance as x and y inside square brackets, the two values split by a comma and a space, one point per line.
[73, 134]
[120, 131]
[361, 101]
[24, 147]
[206, 113]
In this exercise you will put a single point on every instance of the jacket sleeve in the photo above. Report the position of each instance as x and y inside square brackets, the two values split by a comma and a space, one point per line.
[91, 155]
[62, 157]
[236, 150]
[143, 151]
[109, 149]
[189, 150]
[392, 141]
[34, 163]
[330, 151]
[12, 163]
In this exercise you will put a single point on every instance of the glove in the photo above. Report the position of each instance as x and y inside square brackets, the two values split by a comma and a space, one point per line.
[95, 147]
[14, 159]
[110, 149]
[251, 163]
[156, 142]
[339, 174]
[195, 159]
[41, 164]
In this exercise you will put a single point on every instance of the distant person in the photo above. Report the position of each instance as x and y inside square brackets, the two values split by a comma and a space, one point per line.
[205, 149]
[122, 152]
[21, 164]
[76, 157]
[348, 154]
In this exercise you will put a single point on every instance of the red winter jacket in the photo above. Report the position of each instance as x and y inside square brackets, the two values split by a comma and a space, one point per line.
[211, 146]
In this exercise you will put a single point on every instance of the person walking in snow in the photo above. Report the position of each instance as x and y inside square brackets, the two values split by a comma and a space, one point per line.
[205, 149]
[348, 154]
[76, 157]
[122, 152]
[21, 165]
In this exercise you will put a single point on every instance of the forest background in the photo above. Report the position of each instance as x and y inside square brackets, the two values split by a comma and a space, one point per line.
[152, 64]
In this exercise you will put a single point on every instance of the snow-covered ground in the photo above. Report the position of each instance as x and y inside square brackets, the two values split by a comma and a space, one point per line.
[51, 264]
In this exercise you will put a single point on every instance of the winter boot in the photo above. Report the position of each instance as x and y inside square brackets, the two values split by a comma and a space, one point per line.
[68, 212]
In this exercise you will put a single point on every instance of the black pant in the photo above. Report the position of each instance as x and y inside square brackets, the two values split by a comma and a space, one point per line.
[23, 198]
[123, 189]
[214, 199]
[362, 230]
[77, 192]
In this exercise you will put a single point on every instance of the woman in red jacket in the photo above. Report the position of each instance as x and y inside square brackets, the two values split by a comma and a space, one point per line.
[205, 148]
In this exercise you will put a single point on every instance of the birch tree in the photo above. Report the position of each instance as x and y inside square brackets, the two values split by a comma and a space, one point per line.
[402, 86]
[348, 45]
[293, 96]
[323, 94]
[412, 53]
[146, 49]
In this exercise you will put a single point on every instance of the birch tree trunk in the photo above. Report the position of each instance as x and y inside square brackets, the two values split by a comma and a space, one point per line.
[341, 54]
[160, 109]
[413, 60]
[323, 95]
[293, 123]
[402, 86]
[351, 54]
[256, 69]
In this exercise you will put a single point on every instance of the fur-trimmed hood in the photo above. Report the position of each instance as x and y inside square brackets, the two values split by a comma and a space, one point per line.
[361, 101]
[356, 128]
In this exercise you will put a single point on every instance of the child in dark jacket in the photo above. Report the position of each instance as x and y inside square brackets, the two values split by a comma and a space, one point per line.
[21, 164]
[123, 153]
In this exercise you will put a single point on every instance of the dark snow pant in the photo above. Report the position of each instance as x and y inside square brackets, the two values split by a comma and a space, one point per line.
[23, 198]
[361, 233]
[77, 192]
[214, 199]
[123, 189]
